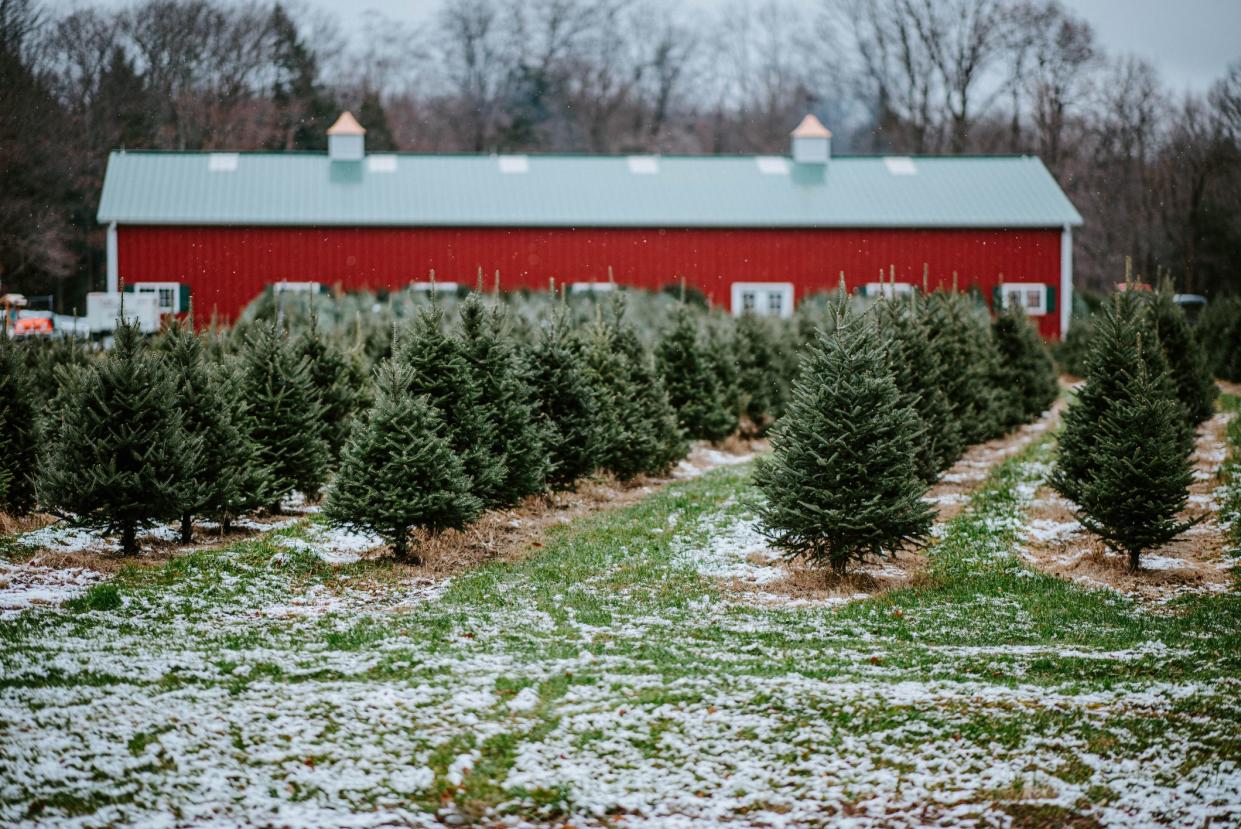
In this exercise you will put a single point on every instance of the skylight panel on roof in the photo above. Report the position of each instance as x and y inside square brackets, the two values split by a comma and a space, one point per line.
[901, 165]
[514, 164]
[772, 165]
[222, 162]
[643, 165]
[381, 163]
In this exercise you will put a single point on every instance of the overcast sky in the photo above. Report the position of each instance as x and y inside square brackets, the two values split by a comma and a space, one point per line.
[1191, 41]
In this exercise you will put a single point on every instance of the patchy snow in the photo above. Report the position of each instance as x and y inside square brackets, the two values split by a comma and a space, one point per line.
[335, 545]
[733, 549]
[23, 586]
[703, 458]
[526, 700]
[63, 537]
[1043, 529]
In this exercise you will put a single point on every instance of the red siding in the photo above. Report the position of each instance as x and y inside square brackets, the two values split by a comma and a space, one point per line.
[226, 267]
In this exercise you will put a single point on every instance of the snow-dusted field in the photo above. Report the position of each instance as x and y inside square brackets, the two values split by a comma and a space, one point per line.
[620, 677]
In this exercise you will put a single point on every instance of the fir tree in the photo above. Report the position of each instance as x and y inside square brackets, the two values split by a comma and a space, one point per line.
[1114, 358]
[963, 346]
[693, 385]
[254, 482]
[721, 355]
[19, 439]
[438, 369]
[841, 482]
[564, 401]
[119, 448]
[1195, 386]
[1027, 374]
[1141, 470]
[639, 432]
[283, 417]
[920, 378]
[758, 372]
[505, 399]
[335, 380]
[213, 485]
[1220, 332]
[399, 470]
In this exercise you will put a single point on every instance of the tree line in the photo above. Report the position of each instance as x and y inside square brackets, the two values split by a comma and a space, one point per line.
[1156, 175]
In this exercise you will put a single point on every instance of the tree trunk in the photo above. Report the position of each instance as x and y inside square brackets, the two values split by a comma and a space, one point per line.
[226, 524]
[129, 539]
[1134, 563]
[187, 528]
[400, 544]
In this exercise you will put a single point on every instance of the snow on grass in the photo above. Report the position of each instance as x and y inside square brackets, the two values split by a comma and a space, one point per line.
[335, 545]
[734, 548]
[63, 537]
[24, 586]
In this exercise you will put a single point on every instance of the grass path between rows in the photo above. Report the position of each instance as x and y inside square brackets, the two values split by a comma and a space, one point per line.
[606, 681]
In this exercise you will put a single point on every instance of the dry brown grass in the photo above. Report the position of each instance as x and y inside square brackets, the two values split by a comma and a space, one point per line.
[1200, 558]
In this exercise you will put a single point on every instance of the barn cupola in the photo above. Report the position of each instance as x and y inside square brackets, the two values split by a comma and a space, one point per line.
[346, 139]
[812, 142]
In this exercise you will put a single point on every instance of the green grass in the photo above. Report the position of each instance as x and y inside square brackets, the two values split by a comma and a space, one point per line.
[638, 662]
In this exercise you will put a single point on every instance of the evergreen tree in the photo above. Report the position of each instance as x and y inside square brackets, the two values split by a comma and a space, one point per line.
[1141, 470]
[693, 385]
[1220, 331]
[963, 346]
[639, 432]
[505, 398]
[254, 483]
[1195, 386]
[841, 482]
[283, 418]
[335, 381]
[1115, 357]
[19, 439]
[212, 485]
[119, 448]
[564, 401]
[399, 470]
[920, 378]
[758, 372]
[721, 355]
[1027, 374]
[438, 369]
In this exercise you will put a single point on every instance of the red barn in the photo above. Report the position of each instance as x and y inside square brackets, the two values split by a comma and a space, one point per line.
[752, 232]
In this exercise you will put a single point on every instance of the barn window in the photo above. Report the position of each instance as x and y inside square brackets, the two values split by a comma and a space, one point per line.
[1030, 297]
[768, 299]
[167, 295]
[887, 289]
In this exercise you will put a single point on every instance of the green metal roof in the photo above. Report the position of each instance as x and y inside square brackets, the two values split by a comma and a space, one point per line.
[580, 191]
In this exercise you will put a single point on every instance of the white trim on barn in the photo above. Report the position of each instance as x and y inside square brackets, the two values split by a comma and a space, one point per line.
[1031, 297]
[1066, 279]
[765, 299]
[113, 271]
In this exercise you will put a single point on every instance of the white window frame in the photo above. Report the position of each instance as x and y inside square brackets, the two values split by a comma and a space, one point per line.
[592, 287]
[763, 293]
[438, 287]
[285, 287]
[1024, 290]
[158, 287]
[888, 290]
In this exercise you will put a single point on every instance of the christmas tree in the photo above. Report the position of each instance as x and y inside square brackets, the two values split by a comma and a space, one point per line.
[919, 377]
[1220, 331]
[721, 355]
[213, 485]
[962, 342]
[438, 369]
[841, 482]
[119, 449]
[505, 401]
[254, 482]
[1027, 374]
[282, 416]
[1195, 386]
[1114, 358]
[1141, 470]
[638, 425]
[758, 372]
[693, 385]
[336, 381]
[19, 439]
[565, 403]
[398, 470]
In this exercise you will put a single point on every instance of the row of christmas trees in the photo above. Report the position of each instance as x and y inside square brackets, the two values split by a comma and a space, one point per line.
[190, 426]
[887, 399]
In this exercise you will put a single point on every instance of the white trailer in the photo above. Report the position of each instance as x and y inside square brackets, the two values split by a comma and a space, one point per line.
[103, 309]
